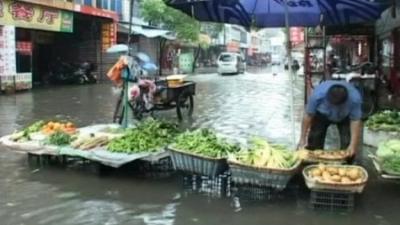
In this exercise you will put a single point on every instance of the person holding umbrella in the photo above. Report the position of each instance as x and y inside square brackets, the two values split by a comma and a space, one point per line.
[332, 102]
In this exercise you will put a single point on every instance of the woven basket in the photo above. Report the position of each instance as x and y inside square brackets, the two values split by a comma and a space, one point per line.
[313, 160]
[261, 176]
[314, 184]
[197, 164]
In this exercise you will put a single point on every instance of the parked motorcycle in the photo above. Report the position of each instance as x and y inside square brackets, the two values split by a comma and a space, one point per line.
[85, 70]
[68, 73]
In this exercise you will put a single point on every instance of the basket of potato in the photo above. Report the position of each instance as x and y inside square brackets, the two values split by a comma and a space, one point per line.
[336, 177]
[323, 156]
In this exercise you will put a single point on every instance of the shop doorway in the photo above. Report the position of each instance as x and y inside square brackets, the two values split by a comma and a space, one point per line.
[42, 60]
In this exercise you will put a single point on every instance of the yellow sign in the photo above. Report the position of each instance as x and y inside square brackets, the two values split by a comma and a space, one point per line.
[27, 15]
[108, 35]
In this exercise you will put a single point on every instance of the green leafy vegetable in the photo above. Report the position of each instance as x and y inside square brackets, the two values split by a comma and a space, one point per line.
[204, 142]
[391, 165]
[24, 135]
[384, 121]
[149, 136]
[388, 154]
[60, 138]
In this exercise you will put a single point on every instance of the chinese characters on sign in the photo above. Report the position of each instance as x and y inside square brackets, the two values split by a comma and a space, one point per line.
[24, 47]
[108, 35]
[48, 16]
[27, 15]
[7, 56]
[20, 11]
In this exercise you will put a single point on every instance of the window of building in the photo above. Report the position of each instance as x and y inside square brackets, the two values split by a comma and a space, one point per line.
[98, 3]
[104, 4]
[112, 5]
[88, 2]
[243, 37]
[118, 7]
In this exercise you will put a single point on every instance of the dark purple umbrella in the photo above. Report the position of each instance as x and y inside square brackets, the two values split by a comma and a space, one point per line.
[271, 13]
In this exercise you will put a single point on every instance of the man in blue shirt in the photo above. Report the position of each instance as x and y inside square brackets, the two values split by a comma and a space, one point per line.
[332, 102]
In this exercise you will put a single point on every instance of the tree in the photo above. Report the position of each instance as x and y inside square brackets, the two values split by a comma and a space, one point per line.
[186, 28]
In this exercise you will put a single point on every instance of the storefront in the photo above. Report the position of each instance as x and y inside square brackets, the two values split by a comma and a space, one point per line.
[351, 44]
[38, 39]
[350, 49]
[16, 63]
[388, 57]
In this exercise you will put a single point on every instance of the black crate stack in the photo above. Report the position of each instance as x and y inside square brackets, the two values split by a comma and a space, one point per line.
[334, 201]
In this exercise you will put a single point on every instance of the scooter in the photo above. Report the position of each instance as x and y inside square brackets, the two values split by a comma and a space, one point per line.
[363, 71]
[84, 71]
[67, 73]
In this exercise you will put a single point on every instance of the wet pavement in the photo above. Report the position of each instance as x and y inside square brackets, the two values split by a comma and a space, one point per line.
[237, 106]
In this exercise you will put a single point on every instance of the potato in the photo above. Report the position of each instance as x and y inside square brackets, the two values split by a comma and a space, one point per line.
[345, 180]
[326, 176]
[336, 178]
[322, 167]
[316, 172]
[332, 170]
[359, 180]
[353, 174]
[342, 172]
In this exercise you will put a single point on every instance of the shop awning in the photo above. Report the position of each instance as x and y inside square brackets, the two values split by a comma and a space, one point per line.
[147, 32]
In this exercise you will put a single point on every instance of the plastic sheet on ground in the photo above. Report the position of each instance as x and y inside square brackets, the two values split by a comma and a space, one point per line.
[115, 159]
[99, 154]
[34, 147]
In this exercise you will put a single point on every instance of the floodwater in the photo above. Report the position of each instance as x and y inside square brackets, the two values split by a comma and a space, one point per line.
[237, 106]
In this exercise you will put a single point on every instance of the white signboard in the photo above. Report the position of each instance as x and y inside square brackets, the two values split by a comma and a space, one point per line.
[7, 56]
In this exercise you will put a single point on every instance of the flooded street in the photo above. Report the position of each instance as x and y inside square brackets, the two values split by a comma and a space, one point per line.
[256, 103]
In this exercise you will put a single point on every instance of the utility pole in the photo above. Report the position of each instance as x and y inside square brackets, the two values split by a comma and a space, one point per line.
[225, 36]
[130, 21]
[289, 50]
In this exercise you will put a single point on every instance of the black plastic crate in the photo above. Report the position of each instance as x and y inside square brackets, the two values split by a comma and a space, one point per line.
[254, 193]
[160, 169]
[214, 187]
[332, 200]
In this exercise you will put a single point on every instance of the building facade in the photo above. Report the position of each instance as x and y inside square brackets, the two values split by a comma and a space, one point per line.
[45, 34]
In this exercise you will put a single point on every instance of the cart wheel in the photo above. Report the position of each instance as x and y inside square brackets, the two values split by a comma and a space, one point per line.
[118, 112]
[138, 109]
[120, 116]
[184, 105]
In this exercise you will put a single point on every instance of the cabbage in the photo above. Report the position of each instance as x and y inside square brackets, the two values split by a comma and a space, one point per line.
[388, 149]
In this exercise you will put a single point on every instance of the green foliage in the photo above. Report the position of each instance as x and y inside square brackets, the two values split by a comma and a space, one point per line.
[385, 121]
[204, 142]
[149, 136]
[212, 29]
[185, 27]
[60, 138]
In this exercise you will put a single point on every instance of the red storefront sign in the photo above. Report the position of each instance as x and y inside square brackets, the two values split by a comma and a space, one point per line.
[233, 46]
[96, 12]
[24, 47]
[296, 35]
